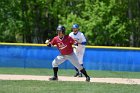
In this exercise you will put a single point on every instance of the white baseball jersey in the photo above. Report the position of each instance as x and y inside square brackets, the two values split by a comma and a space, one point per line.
[80, 49]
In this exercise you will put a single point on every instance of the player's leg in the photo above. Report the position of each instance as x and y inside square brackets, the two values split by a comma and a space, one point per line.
[80, 58]
[77, 71]
[80, 74]
[77, 54]
[57, 61]
[86, 75]
[74, 60]
[55, 76]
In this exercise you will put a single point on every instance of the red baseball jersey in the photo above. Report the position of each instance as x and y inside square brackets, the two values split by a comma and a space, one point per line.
[64, 45]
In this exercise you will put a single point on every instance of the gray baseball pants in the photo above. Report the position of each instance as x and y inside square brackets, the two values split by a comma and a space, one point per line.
[71, 57]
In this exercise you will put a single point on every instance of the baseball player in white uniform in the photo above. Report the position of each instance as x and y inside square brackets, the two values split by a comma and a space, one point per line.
[79, 48]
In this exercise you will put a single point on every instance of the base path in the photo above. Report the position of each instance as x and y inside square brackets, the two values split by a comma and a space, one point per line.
[68, 78]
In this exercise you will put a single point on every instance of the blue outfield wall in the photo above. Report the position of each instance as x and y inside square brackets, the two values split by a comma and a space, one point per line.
[95, 58]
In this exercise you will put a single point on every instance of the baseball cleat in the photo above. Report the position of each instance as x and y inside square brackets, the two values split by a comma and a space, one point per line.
[53, 78]
[88, 79]
[76, 74]
[80, 75]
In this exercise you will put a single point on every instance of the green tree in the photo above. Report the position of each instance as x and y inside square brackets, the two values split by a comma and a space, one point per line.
[10, 23]
[102, 23]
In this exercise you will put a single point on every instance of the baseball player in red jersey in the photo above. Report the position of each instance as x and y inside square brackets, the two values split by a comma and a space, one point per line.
[64, 44]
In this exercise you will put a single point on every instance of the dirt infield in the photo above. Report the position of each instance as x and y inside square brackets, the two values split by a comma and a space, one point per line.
[66, 78]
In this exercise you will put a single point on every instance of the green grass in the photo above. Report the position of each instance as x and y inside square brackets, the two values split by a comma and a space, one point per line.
[64, 87]
[33, 86]
[92, 73]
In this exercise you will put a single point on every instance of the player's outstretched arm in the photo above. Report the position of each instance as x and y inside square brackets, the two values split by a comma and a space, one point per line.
[47, 42]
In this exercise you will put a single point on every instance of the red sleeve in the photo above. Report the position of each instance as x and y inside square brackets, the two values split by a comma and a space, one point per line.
[72, 41]
[53, 41]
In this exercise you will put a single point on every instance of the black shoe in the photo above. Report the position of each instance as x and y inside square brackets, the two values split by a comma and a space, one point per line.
[88, 79]
[53, 78]
[80, 75]
[76, 74]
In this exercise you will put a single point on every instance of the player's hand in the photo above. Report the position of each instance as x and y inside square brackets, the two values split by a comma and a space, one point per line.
[47, 41]
[76, 44]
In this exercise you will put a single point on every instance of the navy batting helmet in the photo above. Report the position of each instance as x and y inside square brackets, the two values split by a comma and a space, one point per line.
[75, 26]
[61, 28]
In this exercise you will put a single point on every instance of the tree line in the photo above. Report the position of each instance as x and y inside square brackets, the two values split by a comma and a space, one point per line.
[104, 22]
